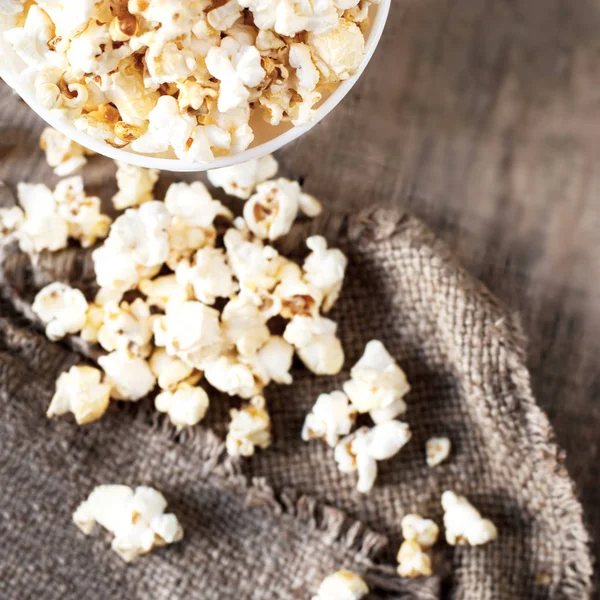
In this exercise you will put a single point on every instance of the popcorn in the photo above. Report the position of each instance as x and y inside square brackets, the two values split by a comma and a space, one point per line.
[316, 343]
[250, 427]
[127, 327]
[61, 308]
[377, 381]
[186, 405]
[338, 52]
[11, 220]
[350, 455]
[80, 392]
[136, 518]
[274, 361]
[464, 523]
[135, 184]
[193, 204]
[224, 16]
[142, 232]
[136, 248]
[237, 67]
[208, 274]
[413, 561]
[332, 416]
[241, 180]
[228, 374]
[170, 370]
[191, 331]
[129, 376]
[271, 211]
[256, 266]
[343, 585]
[184, 78]
[310, 206]
[385, 440]
[62, 153]
[325, 269]
[169, 128]
[44, 228]
[423, 531]
[82, 213]
[361, 450]
[244, 326]
[163, 290]
[437, 450]
[297, 298]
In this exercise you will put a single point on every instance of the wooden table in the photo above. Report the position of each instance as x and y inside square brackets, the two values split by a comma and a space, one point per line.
[483, 118]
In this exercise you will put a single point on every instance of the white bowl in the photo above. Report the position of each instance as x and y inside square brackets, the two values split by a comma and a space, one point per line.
[275, 137]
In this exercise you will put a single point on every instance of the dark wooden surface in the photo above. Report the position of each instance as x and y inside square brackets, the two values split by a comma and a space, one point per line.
[483, 118]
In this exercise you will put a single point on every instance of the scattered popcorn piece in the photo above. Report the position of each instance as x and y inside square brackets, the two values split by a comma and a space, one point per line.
[81, 392]
[241, 180]
[162, 290]
[332, 416]
[325, 269]
[61, 308]
[136, 518]
[271, 210]
[208, 275]
[127, 327]
[136, 248]
[129, 376]
[256, 266]
[230, 375]
[316, 343]
[170, 371]
[186, 405]
[423, 531]
[250, 427]
[11, 220]
[296, 296]
[343, 585]
[193, 204]
[135, 185]
[191, 331]
[361, 450]
[275, 360]
[464, 523]
[351, 455]
[437, 450]
[413, 561]
[310, 206]
[62, 153]
[385, 440]
[82, 213]
[44, 228]
[244, 326]
[376, 381]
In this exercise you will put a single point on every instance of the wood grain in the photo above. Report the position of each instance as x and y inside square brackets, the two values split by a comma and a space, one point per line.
[483, 118]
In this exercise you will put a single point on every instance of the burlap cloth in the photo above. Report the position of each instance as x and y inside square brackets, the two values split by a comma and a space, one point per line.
[271, 527]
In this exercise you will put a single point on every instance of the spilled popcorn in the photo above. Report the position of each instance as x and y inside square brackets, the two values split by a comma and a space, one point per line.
[464, 523]
[136, 518]
[62, 153]
[342, 585]
[419, 535]
[437, 450]
[360, 451]
[193, 79]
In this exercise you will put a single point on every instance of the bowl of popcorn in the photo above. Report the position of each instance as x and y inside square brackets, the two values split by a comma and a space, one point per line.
[186, 85]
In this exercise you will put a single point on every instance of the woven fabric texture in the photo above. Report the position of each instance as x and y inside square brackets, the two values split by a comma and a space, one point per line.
[272, 526]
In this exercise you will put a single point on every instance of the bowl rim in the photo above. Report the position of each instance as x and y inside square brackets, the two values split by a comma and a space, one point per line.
[148, 161]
